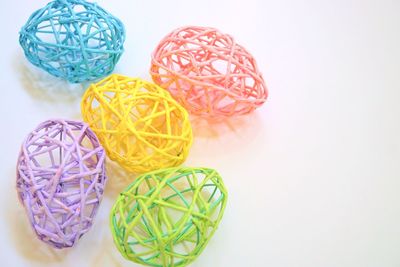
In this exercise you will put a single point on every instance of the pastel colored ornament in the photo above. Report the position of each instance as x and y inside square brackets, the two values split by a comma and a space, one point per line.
[73, 39]
[60, 180]
[208, 73]
[167, 217]
[139, 124]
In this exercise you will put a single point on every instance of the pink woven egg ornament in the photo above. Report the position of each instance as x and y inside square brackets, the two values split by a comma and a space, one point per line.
[60, 180]
[208, 73]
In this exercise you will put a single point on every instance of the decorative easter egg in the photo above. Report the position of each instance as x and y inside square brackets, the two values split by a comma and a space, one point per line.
[60, 180]
[167, 217]
[139, 124]
[73, 39]
[208, 73]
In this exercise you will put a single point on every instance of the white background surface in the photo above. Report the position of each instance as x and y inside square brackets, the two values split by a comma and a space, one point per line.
[313, 175]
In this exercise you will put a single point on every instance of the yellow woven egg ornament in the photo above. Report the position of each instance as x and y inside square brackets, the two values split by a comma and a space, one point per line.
[138, 123]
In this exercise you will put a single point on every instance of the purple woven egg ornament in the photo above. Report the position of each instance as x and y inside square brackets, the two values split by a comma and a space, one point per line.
[60, 180]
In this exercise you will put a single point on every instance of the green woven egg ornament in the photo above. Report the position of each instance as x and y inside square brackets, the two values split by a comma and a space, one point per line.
[166, 217]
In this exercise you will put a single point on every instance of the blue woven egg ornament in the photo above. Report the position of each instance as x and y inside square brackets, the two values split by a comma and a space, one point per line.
[73, 39]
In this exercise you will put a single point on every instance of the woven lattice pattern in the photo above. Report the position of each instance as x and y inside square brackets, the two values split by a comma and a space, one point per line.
[167, 217]
[73, 39]
[139, 124]
[208, 73]
[60, 180]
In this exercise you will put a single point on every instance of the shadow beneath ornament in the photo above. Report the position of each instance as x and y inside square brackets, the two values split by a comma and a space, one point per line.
[213, 140]
[239, 125]
[41, 85]
[118, 179]
[24, 239]
[108, 255]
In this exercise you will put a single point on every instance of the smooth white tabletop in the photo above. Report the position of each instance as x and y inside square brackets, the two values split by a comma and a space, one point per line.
[313, 176]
